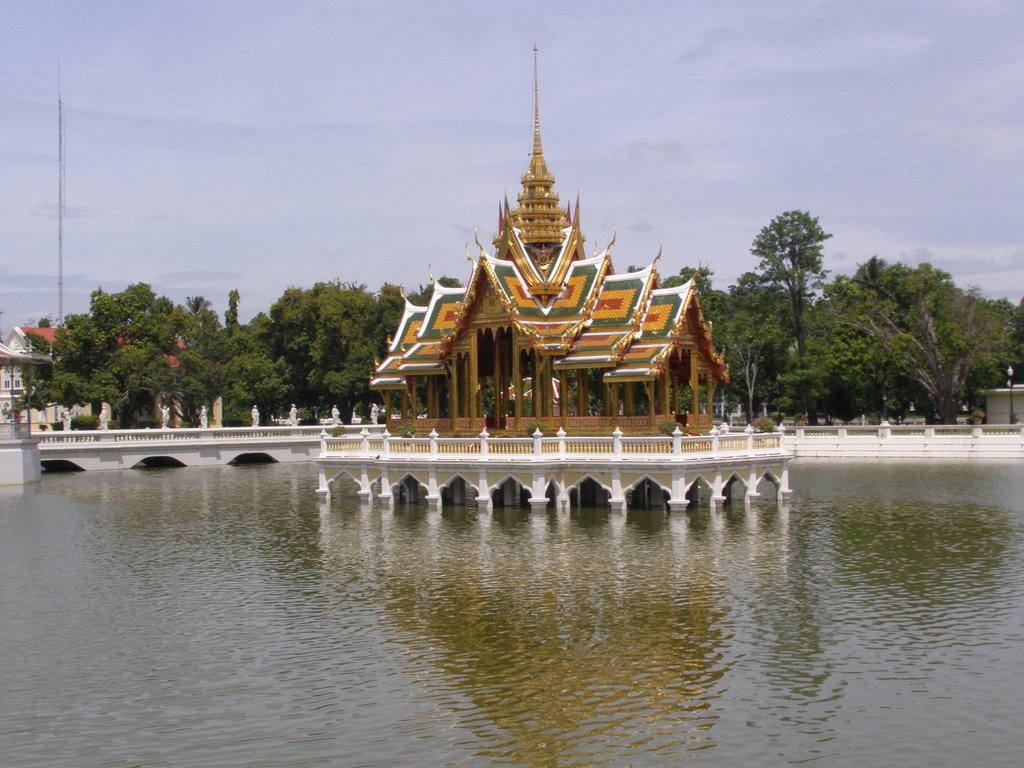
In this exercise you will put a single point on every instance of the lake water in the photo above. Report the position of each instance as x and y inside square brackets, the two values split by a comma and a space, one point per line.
[222, 617]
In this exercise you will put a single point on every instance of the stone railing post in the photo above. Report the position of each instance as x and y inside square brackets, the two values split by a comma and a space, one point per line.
[385, 448]
[537, 437]
[714, 439]
[677, 441]
[365, 442]
[976, 430]
[323, 442]
[884, 430]
[433, 442]
[617, 443]
[929, 432]
[483, 443]
[560, 434]
[749, 432]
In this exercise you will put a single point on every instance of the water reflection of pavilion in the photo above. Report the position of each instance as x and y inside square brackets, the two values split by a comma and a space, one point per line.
[543, 640]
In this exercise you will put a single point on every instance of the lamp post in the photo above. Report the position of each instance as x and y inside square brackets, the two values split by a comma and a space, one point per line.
[1009, 383]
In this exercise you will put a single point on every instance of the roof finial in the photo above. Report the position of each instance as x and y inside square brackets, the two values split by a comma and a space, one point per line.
[539, 216]
[536, 106]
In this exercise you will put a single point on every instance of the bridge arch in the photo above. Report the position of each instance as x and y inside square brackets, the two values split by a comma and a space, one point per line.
[254, 457]
[409, 490]
[457, 489]
[329, 480]
[588, 491]
[729, 486]
[693, 490]
[157, 462]
[647, 493]
[777, 483]
[60, 465]
[510, 491]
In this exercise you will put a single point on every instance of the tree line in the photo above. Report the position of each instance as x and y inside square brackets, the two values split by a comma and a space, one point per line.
[887, 340]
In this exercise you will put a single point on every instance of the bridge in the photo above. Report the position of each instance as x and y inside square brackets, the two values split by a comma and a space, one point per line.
[127, 448]
[563, 471]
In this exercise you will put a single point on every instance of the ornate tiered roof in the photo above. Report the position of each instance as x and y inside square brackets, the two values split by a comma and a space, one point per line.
[539, 281]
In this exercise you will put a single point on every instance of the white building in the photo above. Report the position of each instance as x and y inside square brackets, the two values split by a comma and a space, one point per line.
[997, 405]
[19, 344]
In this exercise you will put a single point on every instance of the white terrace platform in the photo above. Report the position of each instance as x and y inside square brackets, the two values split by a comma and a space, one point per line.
[593, 471]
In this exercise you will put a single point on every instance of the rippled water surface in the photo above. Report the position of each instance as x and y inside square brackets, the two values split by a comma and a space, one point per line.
[221, 617]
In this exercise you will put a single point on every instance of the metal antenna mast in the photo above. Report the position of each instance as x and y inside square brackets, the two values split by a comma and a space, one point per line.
[60, 203]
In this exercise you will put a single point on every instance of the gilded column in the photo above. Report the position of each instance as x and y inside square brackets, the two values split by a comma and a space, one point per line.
[499, 399]
[563, 400]
[582, 396]
[694, 385]
[535, 358]
[473, 380]
[453, 404]
[517, 381]
[652, 408]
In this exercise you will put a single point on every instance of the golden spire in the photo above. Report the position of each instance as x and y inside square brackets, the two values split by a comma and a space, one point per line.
[539, 216]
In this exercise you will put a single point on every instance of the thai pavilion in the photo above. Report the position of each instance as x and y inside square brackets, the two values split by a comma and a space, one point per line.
[544, 336]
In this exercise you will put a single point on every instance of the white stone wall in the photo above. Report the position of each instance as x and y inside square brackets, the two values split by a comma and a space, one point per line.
[992, 442]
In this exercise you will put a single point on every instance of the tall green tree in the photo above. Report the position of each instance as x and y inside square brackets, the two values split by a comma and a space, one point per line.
[790, 249]
[755, 341]
[330, 338]
[937, 333]
[202, 358]
[122, 352]
[253, 375]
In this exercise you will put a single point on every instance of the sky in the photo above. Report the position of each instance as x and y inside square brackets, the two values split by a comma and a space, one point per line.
[255, 145]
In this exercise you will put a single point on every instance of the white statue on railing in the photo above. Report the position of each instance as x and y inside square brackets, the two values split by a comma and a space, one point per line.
[204, 419]
[65, 417]
[255, 416]
[293, 416]
[165, 416]
[104, 417]
[374, 413]
[335, 416]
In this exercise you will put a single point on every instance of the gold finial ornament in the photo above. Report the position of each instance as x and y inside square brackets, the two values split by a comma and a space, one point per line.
[539, 216]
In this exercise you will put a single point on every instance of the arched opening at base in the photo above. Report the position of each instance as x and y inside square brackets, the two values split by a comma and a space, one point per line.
[590, 494]
[60, 465]
[735, 489]
[510, 495]
[646, 494]
[409, 491]
[253, 458]
[700, 491]
[768, 484]
[158, 462]
[458, 493]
